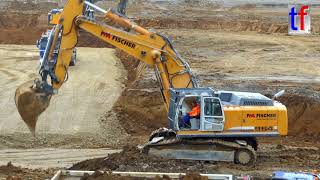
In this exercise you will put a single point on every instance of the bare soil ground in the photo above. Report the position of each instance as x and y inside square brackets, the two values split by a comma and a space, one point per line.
[50, 157]
[94, 85]
[242, 48]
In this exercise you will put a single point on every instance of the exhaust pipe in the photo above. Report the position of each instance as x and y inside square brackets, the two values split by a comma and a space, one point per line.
[278, 94]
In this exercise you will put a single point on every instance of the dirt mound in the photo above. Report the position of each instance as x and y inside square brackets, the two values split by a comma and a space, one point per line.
[11, 172]
[102, 176]
[98, 175]
[303, 115]
[130, 159]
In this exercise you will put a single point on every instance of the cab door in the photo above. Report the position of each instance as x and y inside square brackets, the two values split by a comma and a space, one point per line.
[212, 115]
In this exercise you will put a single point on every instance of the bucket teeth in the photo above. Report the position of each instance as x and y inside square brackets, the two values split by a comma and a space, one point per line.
[30, 104]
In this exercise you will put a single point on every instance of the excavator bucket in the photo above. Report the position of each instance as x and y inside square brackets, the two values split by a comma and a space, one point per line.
[30, 104]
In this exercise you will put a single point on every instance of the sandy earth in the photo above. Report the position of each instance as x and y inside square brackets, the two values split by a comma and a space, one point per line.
[94, 85]
[74, 117]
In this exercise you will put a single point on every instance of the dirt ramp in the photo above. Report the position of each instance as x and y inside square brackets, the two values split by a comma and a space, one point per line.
[303, 114]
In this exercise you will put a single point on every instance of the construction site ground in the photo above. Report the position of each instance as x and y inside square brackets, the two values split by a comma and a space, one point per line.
[105, 106]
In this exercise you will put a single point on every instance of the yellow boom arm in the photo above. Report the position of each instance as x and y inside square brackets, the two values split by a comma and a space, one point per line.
[154, 49]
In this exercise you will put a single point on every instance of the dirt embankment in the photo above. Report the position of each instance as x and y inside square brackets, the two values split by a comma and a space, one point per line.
[26, 29]
[216, 24]
[20, 28]
[140, 108]
[11, 172]
[303, 115]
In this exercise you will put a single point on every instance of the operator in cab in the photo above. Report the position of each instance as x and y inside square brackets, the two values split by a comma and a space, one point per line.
[122, 6]
[194, 113]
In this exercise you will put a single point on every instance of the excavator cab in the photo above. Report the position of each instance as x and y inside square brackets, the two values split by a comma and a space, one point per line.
[195, 142]
[211, 113]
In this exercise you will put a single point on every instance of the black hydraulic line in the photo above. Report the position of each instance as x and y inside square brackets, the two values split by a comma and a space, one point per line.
[186, 65]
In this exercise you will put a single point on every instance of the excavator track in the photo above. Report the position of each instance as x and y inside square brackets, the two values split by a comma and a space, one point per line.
[172, 147]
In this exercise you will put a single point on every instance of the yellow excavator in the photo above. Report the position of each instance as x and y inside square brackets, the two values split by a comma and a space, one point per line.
[229, 121]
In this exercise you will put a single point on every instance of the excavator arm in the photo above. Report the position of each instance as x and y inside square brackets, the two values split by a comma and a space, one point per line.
[153, 49]
[227, 134]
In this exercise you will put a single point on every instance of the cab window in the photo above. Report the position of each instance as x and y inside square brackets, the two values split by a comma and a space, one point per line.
[212, 107]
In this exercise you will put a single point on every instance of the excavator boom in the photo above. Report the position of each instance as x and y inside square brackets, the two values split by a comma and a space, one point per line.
[151, 48]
